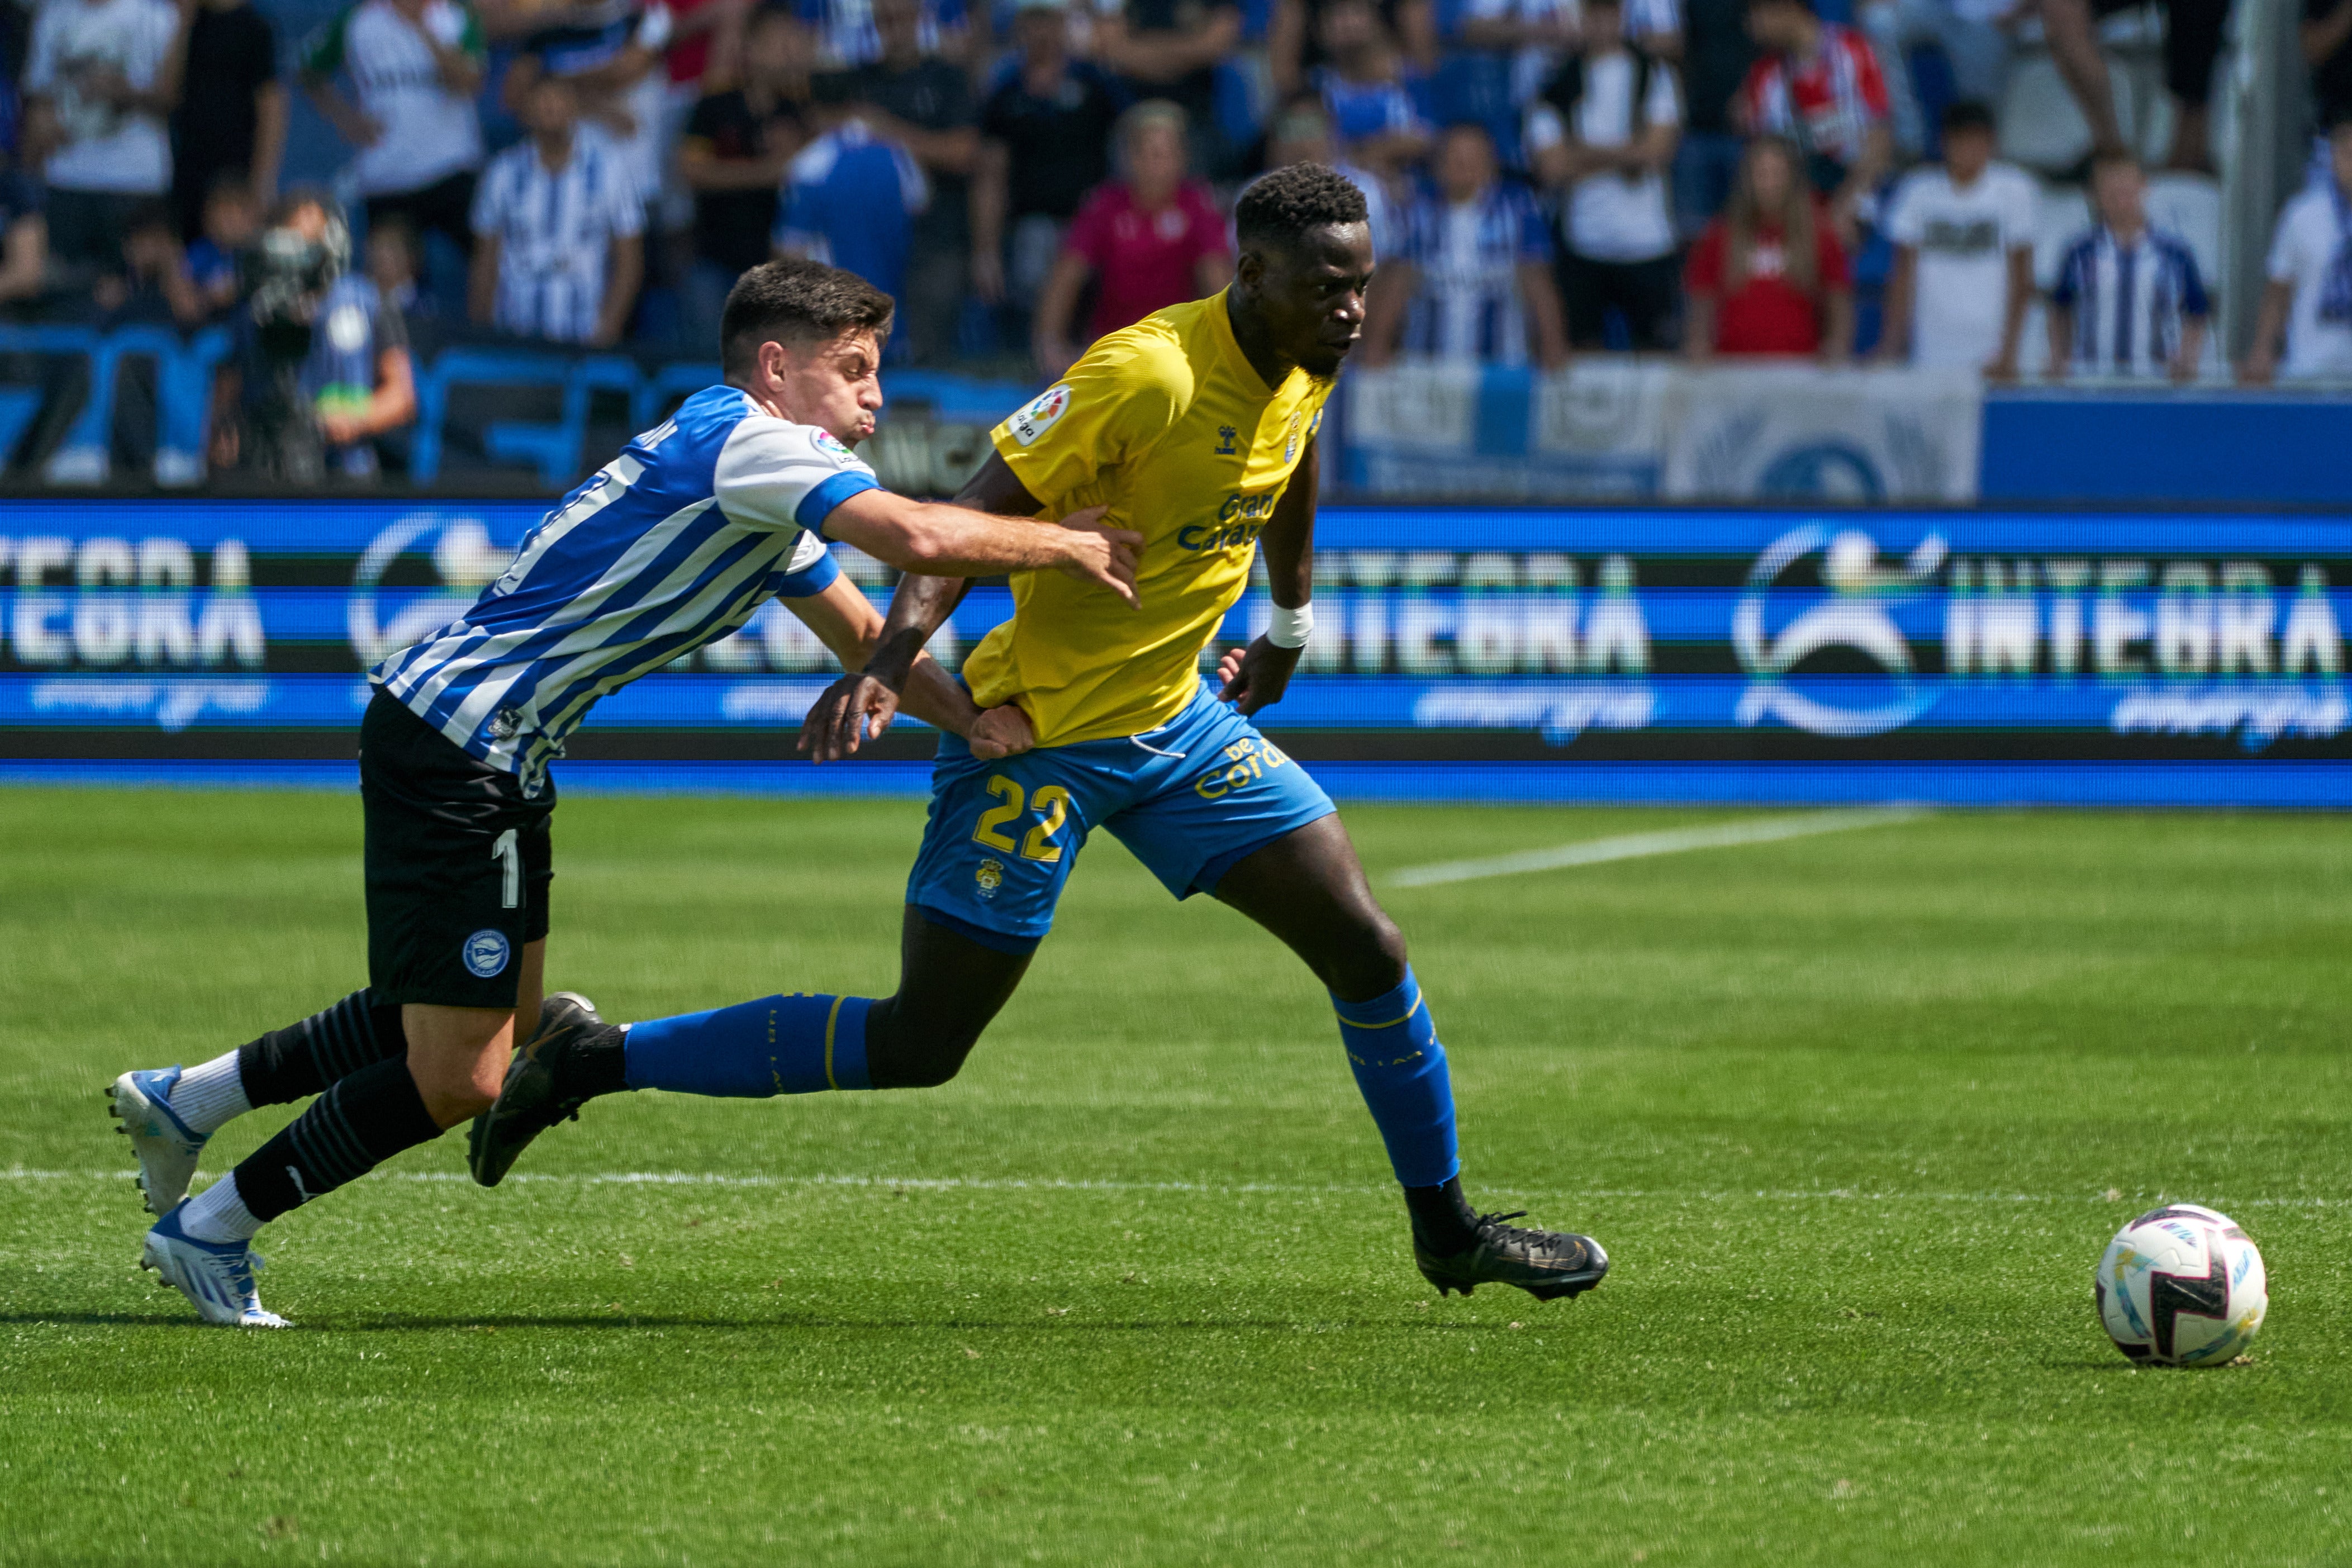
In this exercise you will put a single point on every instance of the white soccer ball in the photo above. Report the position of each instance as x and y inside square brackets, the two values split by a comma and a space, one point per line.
[2182, 1286]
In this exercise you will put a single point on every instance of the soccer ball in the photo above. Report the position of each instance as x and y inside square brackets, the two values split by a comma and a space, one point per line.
[2181, 1285]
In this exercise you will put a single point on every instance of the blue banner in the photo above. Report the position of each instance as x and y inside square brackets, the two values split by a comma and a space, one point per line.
[1624, 648]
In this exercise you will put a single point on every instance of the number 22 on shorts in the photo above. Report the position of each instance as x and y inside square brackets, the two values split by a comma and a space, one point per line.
[1051, 804]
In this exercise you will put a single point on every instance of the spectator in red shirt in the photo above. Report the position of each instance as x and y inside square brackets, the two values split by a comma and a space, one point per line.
[1148, 239]
[1818, 85]
[1768, 277]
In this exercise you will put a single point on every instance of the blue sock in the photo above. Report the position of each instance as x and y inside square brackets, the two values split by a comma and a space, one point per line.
[1401, 1068]
[778, 1045]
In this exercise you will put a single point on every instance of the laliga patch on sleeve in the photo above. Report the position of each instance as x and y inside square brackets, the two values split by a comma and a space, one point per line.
[1038, 418]
[831, 444]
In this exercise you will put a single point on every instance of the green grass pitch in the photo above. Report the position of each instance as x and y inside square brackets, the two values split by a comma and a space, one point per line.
[1854, 1114]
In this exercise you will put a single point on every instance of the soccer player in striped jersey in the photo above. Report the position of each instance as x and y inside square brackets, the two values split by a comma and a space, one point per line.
[670, 546]
[1198, 427]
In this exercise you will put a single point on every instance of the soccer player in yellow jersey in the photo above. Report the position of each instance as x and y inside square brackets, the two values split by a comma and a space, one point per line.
[1197, 427]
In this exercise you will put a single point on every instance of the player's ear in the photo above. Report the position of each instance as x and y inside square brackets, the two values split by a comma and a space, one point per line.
[1249, 271]
[771, 359]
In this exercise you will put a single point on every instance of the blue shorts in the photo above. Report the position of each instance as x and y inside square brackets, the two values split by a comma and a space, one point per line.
[1190, 799]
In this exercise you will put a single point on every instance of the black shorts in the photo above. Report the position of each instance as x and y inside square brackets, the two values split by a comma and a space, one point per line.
[457, 865]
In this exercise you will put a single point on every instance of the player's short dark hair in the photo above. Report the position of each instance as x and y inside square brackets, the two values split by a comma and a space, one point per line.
[1279, 209]
[1967, 114]
[797, 301]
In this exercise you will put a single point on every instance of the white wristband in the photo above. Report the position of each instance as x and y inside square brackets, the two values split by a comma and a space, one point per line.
[1291, 629]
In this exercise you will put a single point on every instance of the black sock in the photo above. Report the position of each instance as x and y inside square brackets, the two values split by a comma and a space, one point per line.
[1443, 1219]
[598, 1064]
[301, 1060]
[363, 1118]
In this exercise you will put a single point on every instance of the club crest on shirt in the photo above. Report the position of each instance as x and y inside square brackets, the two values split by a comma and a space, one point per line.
[989, 876]
[827, 441]
[1038, 418]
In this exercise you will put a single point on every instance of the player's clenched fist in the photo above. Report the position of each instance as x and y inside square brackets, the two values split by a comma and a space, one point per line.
[1001, 733]
[1257, 677]
[1106, 555]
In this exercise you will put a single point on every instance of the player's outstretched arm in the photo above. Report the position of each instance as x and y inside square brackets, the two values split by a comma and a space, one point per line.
[847, 624]
[956, 542]
[1257, 677]
[860, 706]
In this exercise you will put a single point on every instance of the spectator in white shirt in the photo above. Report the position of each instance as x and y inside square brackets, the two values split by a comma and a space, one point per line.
[1963, 276]
[1602, 135]
[416, 65]
[102, 77]
[2308, 301]
[558, 227]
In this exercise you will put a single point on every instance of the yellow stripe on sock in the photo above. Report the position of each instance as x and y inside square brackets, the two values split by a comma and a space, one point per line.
[1405, 1018]
[830, 1019]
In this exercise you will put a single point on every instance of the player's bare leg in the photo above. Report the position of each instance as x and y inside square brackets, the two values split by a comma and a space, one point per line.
[458, 1055]
[1308, 888]
[949, 989]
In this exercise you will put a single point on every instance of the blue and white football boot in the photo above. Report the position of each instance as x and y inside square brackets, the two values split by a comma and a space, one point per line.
[216, 1277]
[167, 1147]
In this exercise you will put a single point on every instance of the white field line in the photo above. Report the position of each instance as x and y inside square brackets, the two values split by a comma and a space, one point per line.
[1671, 841]
[1243, 1189]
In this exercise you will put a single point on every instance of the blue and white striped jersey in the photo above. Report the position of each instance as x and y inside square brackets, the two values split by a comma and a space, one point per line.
[2129, 300]
[555, 230]
[1469, 257]
[669, 546]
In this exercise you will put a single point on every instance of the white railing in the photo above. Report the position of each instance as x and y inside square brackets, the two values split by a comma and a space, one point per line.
[2264, 96]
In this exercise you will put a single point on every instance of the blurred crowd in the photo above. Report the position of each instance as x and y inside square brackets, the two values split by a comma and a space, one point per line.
[1545, 177]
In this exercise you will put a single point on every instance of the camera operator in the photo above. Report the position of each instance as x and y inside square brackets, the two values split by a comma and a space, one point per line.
[322, 367]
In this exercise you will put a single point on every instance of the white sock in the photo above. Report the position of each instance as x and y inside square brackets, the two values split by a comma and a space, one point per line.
[208, 1097]
[218, 1216]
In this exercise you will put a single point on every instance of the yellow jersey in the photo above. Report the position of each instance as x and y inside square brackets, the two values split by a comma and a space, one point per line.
[1168, 424]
